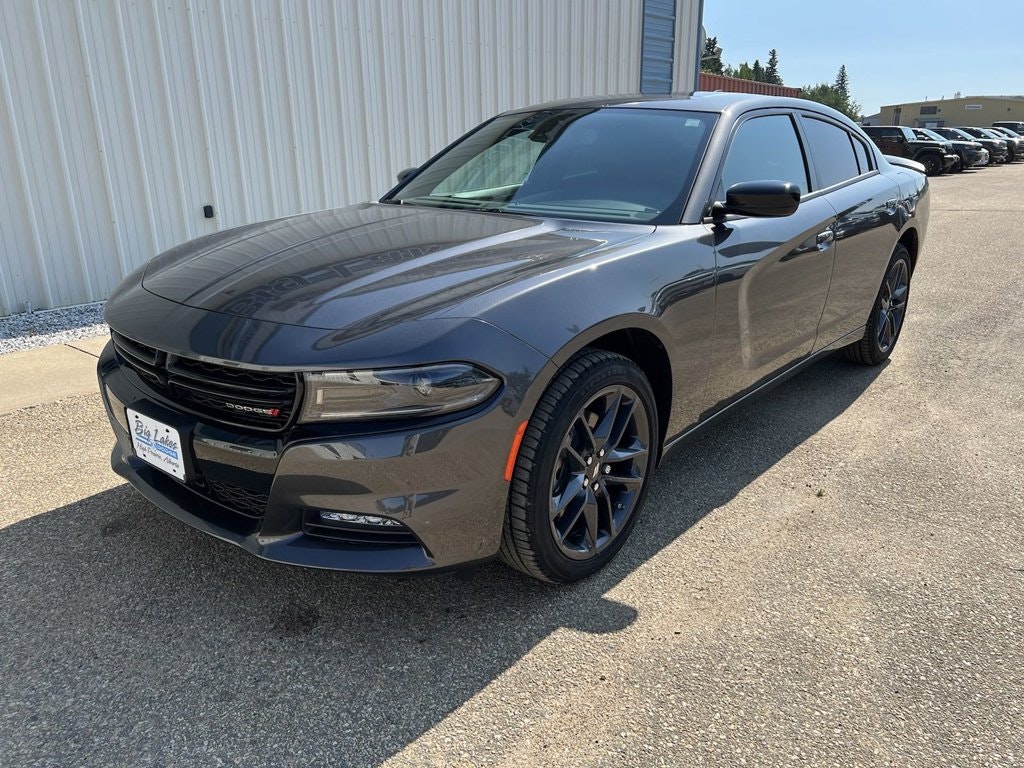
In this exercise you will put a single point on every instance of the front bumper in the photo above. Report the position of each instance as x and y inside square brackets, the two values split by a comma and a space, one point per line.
[977, 157]
[948, 161]
[442, 480]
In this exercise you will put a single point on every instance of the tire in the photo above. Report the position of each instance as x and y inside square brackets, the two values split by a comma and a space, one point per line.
[932, 164]
[887, 316]
[583, 469]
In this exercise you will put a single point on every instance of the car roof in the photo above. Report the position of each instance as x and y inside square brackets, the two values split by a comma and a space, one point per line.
[699, 101]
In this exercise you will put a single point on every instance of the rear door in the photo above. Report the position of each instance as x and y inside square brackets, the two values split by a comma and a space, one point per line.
[773, 273]
[866, 204]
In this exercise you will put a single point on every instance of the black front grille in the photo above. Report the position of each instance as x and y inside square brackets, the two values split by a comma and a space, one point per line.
[237, 396]
[358, 534]
[242, 500]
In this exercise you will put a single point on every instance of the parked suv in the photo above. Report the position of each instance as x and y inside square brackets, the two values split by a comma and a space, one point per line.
[900, 141]
[1012, 151]
[971, 153]
[1013, 139]
[1017, 126]
[996, 147]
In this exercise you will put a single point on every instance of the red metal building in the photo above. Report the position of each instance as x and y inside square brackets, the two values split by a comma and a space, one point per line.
[710, 82]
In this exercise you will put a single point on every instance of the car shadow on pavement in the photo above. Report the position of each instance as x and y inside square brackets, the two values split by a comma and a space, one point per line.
[130, 639]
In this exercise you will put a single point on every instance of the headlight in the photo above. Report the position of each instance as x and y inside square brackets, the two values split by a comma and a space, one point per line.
[394, 392]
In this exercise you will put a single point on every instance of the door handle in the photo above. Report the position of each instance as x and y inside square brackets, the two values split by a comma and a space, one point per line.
[825, 239]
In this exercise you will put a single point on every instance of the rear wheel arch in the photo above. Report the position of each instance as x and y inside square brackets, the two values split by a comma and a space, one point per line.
[911, 241]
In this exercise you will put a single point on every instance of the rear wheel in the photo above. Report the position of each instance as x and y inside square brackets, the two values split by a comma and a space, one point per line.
[583, 469]
[887, 314]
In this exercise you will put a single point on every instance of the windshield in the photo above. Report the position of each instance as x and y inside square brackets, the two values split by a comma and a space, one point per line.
[925, 133]
[955, 133]
[977, 133]
[616, 165]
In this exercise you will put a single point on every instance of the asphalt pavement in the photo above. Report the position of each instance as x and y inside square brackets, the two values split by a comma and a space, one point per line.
[831, 577]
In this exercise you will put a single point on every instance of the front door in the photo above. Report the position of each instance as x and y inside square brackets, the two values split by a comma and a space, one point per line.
[772, 274]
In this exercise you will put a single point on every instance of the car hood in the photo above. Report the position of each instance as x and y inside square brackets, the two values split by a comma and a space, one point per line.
[370, 264]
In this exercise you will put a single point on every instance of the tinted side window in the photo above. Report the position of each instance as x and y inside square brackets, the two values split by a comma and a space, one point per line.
[832, 152]
[765, 149]
[861, 151]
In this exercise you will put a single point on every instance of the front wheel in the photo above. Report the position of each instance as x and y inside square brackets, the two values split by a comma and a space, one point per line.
[583, 469]
[887, 314]
[932, 164]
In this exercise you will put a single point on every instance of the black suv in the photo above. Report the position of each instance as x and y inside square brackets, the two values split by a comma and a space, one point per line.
[1017, 126]
[996, 149]
[1013, 139]
[900, 141]
[971, 153]
[981, 133]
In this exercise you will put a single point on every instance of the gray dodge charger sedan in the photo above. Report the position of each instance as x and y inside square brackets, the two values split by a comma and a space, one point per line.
[494, 357]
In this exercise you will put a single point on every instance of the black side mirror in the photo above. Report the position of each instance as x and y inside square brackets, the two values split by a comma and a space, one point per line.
[758, 198]
[403, 175]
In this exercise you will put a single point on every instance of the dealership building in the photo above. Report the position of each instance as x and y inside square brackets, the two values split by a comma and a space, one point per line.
[129, 127]
[969, 110]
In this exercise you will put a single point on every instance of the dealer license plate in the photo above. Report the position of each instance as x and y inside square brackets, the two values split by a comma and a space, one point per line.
[156, 444]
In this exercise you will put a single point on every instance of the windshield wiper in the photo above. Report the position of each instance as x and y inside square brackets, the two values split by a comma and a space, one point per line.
[453, 201]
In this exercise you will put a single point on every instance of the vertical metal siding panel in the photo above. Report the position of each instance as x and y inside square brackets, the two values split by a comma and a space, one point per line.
[256, 110]
[379, 125]
[349, 119]
[40, 173]
[23, 264]
[129, 191]
[396, 129]
[182, 128]
[208, 99]
[154, 120]
[281, 143]
[297, 108]
[81, 289]
[323, 52]
[206, 186]
[659, 46]
[316, 89]
[688, 29]
[107, 246]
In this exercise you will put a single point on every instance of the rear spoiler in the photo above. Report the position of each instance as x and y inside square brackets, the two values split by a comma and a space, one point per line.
[903, 162]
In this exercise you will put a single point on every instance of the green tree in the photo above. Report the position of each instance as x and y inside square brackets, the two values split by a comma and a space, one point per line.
[744, 72]
[757, 71]
[711, 59]
[771, 72]
[831, 96]
[842, 82]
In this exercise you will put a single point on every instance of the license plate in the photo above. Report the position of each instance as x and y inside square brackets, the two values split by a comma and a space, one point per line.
[156, 444]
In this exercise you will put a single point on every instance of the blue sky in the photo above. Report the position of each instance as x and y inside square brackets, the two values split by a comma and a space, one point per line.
[894, 51]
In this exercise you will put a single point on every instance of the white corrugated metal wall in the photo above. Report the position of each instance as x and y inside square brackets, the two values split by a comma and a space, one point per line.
[121, 119]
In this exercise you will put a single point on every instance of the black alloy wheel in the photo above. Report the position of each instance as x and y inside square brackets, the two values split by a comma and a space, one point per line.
[932, 164]
[887, 315]
[583, 469]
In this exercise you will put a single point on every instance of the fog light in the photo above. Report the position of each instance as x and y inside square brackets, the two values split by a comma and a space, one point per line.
[348, 517]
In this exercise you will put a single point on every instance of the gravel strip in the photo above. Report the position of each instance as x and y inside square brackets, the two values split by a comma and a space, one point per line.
[51, 326]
